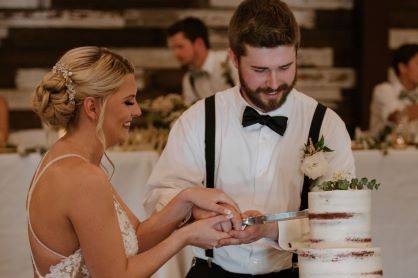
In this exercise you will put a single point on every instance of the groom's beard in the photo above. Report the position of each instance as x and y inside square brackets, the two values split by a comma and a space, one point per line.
[255, 95]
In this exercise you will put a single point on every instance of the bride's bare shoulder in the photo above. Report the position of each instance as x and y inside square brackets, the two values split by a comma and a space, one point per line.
[89, 194]
[74, 186]
[75, 174]
[81, 172]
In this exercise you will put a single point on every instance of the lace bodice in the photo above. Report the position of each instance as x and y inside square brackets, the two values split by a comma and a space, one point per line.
[73, 266]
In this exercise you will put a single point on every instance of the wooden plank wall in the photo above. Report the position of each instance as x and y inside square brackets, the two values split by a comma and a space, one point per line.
[34, 33]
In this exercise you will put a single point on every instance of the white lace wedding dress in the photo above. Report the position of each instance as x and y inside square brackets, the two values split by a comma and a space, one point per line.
[73, 266]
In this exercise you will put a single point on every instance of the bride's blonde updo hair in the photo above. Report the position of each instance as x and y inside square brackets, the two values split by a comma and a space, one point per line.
[81, 72]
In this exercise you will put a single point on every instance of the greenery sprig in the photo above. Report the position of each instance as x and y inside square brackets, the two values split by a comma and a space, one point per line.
[311, 149]
[343, 184]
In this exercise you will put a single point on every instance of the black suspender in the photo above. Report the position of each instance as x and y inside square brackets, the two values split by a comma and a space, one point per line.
[210, 127]
[210, 120]
[314, 130]
[314, 135]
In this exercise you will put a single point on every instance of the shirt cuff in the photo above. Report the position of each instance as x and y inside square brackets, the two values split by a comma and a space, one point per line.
[273, 243]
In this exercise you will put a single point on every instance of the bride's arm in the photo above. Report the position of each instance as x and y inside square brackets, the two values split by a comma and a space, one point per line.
[161, 224]
[93, 216]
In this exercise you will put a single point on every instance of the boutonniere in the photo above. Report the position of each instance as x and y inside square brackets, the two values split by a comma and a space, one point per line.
[314, 163]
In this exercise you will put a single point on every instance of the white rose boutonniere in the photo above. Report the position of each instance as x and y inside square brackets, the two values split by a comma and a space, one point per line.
[314, 163]
[314, 166]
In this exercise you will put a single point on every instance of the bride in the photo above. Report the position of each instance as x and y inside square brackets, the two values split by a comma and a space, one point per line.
[78, 224]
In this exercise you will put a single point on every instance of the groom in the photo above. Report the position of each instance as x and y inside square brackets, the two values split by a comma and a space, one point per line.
[248, 144]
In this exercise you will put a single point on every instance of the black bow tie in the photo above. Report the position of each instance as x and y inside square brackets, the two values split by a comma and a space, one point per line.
[277, 123]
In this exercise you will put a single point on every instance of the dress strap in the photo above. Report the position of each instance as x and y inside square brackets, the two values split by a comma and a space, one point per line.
[32, 187]
[34, 266]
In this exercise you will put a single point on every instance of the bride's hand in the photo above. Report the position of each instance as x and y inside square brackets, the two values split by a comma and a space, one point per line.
[209, 199]
[203, 234]
[236, 221]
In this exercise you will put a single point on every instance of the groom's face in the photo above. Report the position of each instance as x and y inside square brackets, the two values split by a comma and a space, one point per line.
[267, 75]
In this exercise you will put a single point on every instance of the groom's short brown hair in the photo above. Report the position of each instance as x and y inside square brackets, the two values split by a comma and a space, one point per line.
[262, 23]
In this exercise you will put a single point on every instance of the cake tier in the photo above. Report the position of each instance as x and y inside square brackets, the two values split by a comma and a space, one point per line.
[340, 263]
[340, 218]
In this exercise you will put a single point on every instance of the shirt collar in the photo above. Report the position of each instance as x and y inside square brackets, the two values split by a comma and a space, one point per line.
[209, 63]
[397, 83]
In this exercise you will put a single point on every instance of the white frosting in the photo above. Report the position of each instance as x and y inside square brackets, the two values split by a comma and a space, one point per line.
[340, 237]
[340, 263]
[340, 218]
[339, 201]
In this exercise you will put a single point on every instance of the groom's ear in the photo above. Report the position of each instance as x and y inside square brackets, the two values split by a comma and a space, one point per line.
[233, 58]
[91, 108]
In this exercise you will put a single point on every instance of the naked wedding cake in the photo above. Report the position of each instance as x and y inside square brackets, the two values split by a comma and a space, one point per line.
[340, 238]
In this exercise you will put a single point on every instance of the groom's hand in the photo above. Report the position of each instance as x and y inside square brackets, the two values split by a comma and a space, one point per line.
[235, 222]
[251, 233]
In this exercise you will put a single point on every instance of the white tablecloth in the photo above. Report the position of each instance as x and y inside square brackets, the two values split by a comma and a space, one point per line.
[395, 208]
[15, 176]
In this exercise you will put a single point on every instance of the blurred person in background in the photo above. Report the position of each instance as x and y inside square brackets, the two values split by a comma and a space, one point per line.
[208, 71]
[78, 224]
[397, 98]
[4, 122]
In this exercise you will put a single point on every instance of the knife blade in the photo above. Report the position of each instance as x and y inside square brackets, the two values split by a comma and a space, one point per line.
[274, 217]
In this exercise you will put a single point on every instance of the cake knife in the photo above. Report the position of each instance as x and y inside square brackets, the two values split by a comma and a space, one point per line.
[274, 217]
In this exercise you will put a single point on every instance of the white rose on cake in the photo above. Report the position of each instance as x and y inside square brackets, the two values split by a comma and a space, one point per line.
[341, 175]
[314, 166]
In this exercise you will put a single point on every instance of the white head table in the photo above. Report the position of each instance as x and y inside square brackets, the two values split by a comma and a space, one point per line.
[394, 213]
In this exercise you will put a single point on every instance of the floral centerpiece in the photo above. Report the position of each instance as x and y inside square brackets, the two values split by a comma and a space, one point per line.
[390, 137]
[158, 116]
[162, 111]
[8, 148]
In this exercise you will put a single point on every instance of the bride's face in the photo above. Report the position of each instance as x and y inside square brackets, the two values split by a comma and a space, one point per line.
[121, 108]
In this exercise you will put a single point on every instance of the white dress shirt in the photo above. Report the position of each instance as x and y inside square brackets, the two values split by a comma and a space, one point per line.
[212, 77]
[256, 167]
[385, 101]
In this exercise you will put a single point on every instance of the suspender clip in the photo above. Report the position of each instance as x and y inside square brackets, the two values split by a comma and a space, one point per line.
[209, 262]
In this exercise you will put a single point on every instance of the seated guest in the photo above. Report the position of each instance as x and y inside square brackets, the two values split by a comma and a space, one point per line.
[397, 98]
[4, 122]
[208, 71]
[78, 224]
